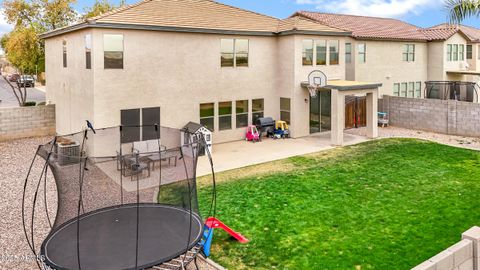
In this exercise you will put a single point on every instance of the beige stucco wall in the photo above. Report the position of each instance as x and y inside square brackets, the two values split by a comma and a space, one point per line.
[70, 88]
[179, 71]
[301, 116]
[384, 64]
[437, 59]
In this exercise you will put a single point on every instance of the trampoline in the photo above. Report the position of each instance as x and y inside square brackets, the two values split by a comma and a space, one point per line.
[126, 195]
[108, 238]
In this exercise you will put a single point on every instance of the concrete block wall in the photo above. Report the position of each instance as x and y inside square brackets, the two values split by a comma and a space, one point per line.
[464, 255]
[23, 122]
[442, 116]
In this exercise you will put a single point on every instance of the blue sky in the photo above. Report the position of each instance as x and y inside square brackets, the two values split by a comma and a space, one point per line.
[423, 13]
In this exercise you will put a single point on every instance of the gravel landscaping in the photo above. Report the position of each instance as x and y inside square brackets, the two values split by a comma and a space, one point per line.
[396, 132]
[15, 157]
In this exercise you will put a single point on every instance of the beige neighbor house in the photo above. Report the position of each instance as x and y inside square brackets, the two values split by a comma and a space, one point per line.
[200, 61]
[402, 56]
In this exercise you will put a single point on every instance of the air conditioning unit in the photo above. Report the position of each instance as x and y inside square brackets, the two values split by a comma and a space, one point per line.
[67, 153]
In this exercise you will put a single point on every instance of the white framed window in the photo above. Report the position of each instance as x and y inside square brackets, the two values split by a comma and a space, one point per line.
[257, 109]
[449, 52]
[207, 115]
[321, 49]
[348, 53]
[285, 110]
[461, 52]
[396, 89]
[307, 52]
[88, 51]
[469, 52]
[411, 89]
[64, 53]
[234, 52]
[113, 51]
[333, 47]
[403, 89]
[408, 53]
[455, 52]
[362, 53]
[241, 111]
[225, 115]
[418, 89]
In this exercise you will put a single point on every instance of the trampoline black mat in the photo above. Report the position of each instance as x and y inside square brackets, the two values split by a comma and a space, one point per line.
[108, 238]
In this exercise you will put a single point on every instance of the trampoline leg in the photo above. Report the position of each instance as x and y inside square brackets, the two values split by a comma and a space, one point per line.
[196, 263]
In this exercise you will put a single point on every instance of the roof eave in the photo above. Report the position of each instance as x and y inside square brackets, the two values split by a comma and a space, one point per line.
[155, 28]
[315, 33]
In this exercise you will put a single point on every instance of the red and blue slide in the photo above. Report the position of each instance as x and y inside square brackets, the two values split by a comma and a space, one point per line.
[212, 223]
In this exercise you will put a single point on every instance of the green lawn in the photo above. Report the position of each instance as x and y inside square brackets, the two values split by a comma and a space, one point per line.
[387, 204]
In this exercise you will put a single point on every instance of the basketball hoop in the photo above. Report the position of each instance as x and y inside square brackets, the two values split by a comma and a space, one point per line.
[312, 89]
[316, 80]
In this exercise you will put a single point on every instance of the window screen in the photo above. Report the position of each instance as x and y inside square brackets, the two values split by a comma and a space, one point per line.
[150, 118]
[130, 120]
[225, 115]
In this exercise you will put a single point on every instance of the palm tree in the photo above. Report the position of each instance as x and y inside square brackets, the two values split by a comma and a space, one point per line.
[461, 9]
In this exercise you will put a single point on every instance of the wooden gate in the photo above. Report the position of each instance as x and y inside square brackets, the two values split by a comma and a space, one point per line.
[355, 112]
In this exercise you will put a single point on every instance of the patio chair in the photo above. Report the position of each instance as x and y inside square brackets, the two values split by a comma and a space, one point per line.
[146, 148]
[134, 166]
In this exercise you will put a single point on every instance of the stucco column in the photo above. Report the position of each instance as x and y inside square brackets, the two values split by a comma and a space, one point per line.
[372, 114]
[338, 117]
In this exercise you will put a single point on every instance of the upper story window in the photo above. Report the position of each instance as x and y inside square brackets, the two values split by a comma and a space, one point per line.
[234, 52]
[88, 51]
[307, 52]
[334, 51]
[478, 52]
[449, 52]
[64, 49]
[469, 52]
[455, 52]
[321, 47]
[461, 52]
[348, 53]
[113, 51]
[408, 53]
[317, 51]
[362, 53]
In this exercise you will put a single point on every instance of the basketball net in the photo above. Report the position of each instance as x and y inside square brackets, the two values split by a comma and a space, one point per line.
[312, 89]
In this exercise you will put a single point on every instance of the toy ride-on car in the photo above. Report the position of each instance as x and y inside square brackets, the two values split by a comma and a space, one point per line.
[252, 134]
[281, 130]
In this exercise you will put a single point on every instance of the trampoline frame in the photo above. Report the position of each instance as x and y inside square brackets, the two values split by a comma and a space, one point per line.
[74, 220]
[179, 260]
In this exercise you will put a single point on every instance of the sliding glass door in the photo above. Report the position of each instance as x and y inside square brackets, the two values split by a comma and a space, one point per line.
[320, 112]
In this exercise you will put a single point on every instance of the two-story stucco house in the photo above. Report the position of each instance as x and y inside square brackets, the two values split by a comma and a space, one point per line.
[201, 61]
[402, 56]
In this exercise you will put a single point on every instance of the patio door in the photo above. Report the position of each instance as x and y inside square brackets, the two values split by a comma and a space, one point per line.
[320, 112]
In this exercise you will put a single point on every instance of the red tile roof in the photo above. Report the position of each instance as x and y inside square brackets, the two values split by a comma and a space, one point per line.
[444, 31]
[368, 27]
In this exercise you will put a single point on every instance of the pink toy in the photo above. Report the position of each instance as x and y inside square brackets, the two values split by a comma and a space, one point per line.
[252, 134]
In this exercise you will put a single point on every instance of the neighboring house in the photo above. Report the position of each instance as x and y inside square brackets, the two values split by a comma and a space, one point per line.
[381, 50]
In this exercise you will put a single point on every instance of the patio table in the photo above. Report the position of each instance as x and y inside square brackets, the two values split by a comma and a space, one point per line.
[162, 156]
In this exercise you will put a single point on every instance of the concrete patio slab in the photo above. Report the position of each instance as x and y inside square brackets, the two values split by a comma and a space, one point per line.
[233, 155]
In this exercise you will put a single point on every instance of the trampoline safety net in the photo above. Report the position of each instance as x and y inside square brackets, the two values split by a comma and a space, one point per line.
[127, 198]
